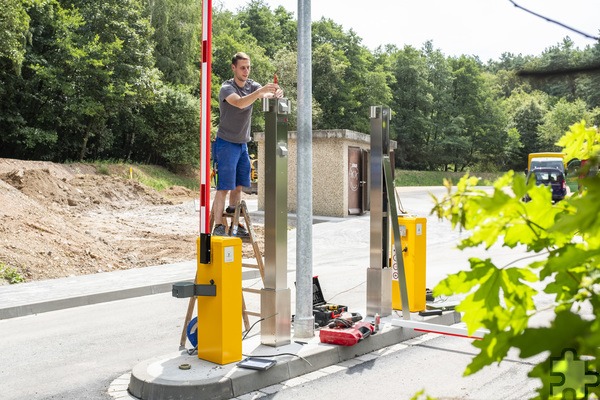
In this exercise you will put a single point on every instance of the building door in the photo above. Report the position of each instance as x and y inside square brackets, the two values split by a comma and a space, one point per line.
[356, 181]
[366, 173]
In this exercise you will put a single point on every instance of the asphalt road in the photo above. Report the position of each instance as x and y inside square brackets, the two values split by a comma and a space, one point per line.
[432, 365]
[76, 353]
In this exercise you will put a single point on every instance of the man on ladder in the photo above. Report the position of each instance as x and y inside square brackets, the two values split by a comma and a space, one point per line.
[230, 149]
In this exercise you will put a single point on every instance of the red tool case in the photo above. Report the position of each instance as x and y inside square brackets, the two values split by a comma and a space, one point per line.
[346, 336]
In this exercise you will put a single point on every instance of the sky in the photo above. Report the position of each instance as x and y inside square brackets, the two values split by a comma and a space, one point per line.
[483, 28]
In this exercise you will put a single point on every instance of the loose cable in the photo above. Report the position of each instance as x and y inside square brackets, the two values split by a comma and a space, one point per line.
[280, 354]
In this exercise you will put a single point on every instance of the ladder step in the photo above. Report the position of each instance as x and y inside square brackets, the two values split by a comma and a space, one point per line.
[250, 264]
[241, 214]
[254, 314]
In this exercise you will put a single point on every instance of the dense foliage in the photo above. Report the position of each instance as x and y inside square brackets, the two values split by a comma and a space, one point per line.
[119, 80]
[89, 84]
[562, 243]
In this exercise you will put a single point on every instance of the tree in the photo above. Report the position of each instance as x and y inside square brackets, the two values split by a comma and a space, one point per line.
[412, 104]
[14, 23]
[176, 37]
[440, 78]
[175, 122]
[32, 113]
[329, 67]
[273, 31]
[473, 101]
[288, 29]
[508, 62]
[286, 64]
[589, 82]
[558, 119]
[110, 70]
[525, 113]
[374, 90]
[346, 79]
[565, 237]
[561, 57]
[496, 141]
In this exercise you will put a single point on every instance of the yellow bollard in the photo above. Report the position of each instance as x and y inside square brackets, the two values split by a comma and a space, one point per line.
[414, 240]
[220, 316]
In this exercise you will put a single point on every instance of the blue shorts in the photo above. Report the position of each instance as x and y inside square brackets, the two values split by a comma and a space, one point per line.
[233, 164]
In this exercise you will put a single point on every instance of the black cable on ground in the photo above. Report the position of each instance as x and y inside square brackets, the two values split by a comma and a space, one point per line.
[277, 355]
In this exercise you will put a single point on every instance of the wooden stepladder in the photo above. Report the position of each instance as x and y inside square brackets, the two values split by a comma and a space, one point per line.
[242, 211]
[234, 218]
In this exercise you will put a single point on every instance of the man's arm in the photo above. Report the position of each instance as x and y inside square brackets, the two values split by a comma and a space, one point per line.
[269, 90]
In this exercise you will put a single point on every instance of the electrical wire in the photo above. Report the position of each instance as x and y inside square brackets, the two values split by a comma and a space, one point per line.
[279, 354]
[362, 283]
[245, 333]
[555, 22]
[257, 280]
[399, 203]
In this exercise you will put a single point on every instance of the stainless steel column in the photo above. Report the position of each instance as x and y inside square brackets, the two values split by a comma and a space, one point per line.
[379, 273]
[276, 297]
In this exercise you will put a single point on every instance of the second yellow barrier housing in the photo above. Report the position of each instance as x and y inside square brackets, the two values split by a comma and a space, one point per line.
[413, 231]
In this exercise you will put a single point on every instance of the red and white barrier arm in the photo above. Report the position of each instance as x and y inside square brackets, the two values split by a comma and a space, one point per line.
[205, 131]
[440, 329]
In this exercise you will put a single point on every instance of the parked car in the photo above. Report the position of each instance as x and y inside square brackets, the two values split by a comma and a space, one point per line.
[551, 177]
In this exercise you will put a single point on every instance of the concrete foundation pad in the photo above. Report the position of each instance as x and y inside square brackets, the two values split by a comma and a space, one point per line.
[163, 377]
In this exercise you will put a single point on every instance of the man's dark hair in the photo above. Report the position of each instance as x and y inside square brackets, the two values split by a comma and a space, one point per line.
[239, 56]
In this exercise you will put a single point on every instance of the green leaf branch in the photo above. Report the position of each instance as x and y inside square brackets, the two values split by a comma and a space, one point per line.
[562, 243]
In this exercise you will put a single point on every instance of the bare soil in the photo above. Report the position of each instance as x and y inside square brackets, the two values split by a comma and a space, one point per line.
[59, 220]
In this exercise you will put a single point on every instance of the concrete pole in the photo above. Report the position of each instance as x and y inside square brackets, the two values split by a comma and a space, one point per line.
[304, 320]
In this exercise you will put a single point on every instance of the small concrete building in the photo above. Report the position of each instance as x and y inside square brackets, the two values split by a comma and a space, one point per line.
[339, 167]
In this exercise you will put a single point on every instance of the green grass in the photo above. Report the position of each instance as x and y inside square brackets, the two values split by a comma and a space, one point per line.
[11, 275]
[158, 178]
[436, 178]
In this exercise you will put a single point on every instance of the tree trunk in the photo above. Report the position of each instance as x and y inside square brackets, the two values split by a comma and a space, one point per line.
[130, 145]
[88, 133]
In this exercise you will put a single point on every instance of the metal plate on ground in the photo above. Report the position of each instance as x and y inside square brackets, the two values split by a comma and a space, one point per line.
[260, 364]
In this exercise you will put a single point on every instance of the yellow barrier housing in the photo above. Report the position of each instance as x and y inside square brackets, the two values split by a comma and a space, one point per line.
[220, 316]
[414, 243]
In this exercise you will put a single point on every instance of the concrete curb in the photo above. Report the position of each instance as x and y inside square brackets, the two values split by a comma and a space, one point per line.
[83, 300]
[58, 294]
[161, 377]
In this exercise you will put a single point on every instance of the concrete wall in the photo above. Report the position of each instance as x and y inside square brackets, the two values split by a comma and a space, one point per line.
[330, 170]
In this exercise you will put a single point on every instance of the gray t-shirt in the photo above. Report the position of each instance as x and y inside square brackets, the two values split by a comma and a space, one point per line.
[234, 125]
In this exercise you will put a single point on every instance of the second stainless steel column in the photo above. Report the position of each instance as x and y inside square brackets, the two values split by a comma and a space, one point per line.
[379, 275]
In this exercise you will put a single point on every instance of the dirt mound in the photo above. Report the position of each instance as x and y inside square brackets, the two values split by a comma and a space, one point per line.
[80, 191]
[177, 192]
[60, 220]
